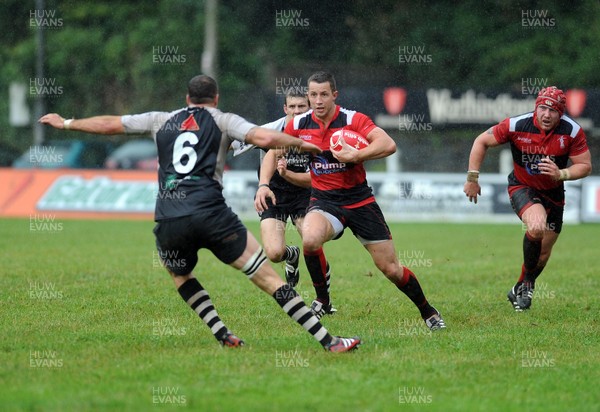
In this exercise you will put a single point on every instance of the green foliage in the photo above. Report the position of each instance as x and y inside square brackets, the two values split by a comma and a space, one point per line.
[103, 53]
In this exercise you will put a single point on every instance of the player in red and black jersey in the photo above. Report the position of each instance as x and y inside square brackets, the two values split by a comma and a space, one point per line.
[542, 143]
[342, 198]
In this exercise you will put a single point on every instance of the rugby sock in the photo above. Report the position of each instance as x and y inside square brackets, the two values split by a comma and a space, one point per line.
[531, 255]
[288, 254]
[318, 268]
[410, 286]
[538, 271]
[197, 298]
[294, 306]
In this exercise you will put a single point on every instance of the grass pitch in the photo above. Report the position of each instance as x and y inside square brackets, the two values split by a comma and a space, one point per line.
[90, 321]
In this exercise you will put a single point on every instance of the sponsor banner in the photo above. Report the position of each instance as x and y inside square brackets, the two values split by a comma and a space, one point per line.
[439, 197]
[98, 194]
[93, 194]
[239, 188]
[73, 193]
[448, 108]
[102, 194]
[590, 203]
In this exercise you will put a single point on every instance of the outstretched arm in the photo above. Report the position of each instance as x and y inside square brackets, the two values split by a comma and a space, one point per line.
[96, 125]
[269, 138]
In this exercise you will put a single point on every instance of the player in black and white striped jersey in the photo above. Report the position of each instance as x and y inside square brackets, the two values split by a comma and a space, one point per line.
[191, 212]
[283, 192]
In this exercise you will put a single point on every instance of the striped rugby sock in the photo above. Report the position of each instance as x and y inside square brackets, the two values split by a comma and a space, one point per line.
[197, 298]
[289, 254]
[294, 306]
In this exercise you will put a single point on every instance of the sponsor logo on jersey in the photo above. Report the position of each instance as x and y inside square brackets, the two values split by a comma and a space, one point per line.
[298, 159]
[532, 168]
[322, 166]
[189, 123]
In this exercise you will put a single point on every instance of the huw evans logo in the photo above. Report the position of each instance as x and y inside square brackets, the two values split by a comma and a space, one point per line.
[537, 359]
[168, 395]
[45, 86]
[45, 155]
[168, 55]
[414, 395]
[167, 258]
[44, 223]
[413, 55]
[44, 290]
[414, 258]
[290, 359]
[537, 19]
[291, 18]
[413, 123]
[44, 359]
[44, 19]
[285, 85]
[167, 327]
[533, 85]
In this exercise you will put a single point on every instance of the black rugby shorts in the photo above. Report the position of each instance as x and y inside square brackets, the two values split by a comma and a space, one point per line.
[289, 205]
[219, 230]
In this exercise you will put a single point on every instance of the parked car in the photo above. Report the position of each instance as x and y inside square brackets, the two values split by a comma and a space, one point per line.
[135, 154]
[77, 154]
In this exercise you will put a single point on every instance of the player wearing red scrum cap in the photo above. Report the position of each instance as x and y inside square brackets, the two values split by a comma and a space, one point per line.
[542, 144]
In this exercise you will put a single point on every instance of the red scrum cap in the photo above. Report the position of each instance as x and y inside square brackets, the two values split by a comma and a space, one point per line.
[552, 97]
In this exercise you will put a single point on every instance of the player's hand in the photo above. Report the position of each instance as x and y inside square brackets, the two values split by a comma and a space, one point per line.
[282, 166]
[472, 190]
[53, 119]
[309, 147]
[549, 168]
[260, 200]
[346, 154]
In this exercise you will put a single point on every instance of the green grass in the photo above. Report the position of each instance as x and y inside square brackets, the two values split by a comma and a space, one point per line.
[83, 300]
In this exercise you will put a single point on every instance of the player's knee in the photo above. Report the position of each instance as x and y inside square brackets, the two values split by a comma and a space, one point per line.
[311, 244]
[536, 228]
[275, 254]
[535, 231]
[391, 270]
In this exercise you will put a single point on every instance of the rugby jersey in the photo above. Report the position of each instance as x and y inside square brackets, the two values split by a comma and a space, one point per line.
[529, 144]
[343, 184]
[192, 148]
[296, 162]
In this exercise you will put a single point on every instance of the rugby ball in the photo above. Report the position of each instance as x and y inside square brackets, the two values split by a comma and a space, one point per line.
[356, 140]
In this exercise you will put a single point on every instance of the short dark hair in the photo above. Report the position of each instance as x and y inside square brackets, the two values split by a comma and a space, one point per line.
[295, 93]
[202, 89]
[322, 77]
